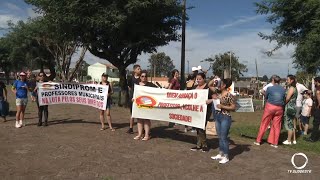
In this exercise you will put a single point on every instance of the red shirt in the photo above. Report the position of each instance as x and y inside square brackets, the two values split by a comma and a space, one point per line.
[175, 84]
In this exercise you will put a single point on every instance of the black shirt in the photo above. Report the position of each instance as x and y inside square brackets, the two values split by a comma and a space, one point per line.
[150, 84]
[133, 81]
[2, 86]
[131, 84]
[209, 106]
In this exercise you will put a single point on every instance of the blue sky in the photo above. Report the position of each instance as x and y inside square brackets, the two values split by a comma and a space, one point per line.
[214, 26]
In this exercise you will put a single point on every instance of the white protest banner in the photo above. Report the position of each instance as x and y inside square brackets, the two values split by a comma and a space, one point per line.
[94, 95]
[181, 107]
[244, 105]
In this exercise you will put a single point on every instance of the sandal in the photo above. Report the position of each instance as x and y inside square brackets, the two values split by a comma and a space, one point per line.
[146, 138]
[102, 129]
[112, 129]
[137, 138]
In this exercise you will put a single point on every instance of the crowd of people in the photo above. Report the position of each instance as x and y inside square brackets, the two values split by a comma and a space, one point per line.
[291, 106]
[198, 80]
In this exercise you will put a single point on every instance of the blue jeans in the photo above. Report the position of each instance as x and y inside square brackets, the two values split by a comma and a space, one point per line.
[223, 123]
[1, 108]
[214, 114]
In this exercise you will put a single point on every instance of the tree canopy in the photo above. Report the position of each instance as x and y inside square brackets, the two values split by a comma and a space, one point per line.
[116, 30]
[221, 62]
[161, 64]
[295, 22]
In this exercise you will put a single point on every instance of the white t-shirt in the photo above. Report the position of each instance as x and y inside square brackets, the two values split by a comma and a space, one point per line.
[300, 89]
[266, 86]
[306, 105]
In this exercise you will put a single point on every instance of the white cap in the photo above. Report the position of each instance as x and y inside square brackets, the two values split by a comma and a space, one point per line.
[194, 68]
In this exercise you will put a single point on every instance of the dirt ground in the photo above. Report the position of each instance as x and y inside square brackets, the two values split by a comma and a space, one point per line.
[73, 147]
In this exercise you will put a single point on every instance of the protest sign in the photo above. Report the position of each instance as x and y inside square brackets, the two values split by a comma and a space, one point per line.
[94, 95]
[176, 106]
[244, 105]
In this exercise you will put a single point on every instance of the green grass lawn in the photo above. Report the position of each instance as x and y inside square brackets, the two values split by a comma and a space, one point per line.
[246, 127]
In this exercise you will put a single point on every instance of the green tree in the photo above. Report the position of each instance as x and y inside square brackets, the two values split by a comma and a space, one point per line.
[160, 63]
[305, 78]
[114, 30]
[5, 63]
[59, 44]
[26, 53]
[221, 62]
[265, 78]
[295, 22]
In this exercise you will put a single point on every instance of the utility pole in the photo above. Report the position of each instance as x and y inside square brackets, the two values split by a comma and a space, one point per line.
[230, 64]
[154, 70]
[188, 66]
[257, 75]
[183, 46]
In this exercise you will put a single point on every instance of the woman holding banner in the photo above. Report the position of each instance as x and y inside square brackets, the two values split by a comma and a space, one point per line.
[42, 110]
[201, 133]
[175, 85]
[104, 81]
[144, 123]
[223, 120]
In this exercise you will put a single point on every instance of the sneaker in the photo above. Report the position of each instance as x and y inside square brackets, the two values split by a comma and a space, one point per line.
[196, 148]
[256, 143]
[205, 149]
[39, 123]
[275, 146]
[224, 160]
[130, 131]
[286, 142]
[22, 123]
[193, 131]
[217, 157]
[45, 124]
[294, 142]
[17, 124]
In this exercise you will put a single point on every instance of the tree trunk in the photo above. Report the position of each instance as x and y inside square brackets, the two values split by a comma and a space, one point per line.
[124, 94]
[78, 64]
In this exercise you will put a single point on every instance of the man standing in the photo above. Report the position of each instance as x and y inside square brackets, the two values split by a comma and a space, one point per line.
[315, 134]
[272, 111]
[3, 99]
[264, 89]
[134, 80]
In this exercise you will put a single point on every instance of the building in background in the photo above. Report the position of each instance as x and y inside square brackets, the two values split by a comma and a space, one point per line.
[97, 69]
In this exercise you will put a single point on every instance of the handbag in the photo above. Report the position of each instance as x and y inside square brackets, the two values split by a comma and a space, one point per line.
[211, 128]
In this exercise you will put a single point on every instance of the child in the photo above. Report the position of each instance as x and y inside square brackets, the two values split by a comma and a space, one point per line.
[306, 111]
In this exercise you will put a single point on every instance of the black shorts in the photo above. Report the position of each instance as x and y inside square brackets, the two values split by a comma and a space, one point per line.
[304, 120]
